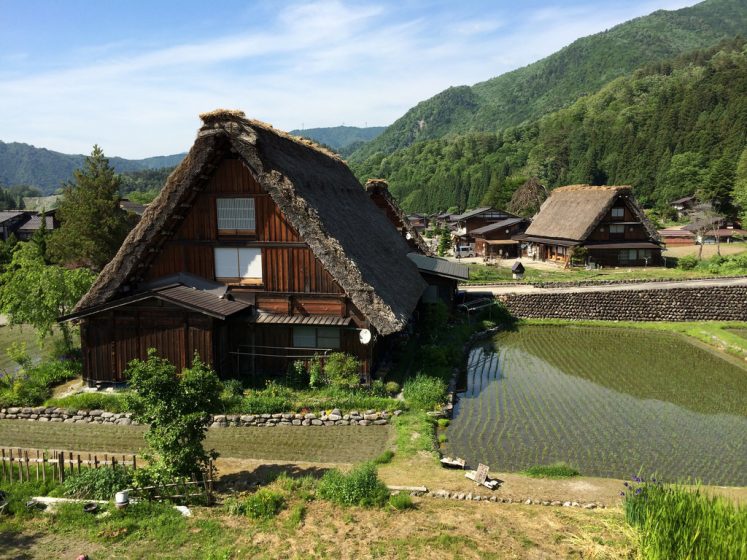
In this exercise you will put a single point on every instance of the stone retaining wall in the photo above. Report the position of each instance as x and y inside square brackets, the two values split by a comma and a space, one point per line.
[727, 303]
[334, 418]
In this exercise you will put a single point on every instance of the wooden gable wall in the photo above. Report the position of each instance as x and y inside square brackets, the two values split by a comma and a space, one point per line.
[288, 264]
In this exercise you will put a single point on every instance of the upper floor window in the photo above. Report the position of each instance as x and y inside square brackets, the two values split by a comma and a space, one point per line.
[617, 229]
[316, 337]
[618, 212]
[236, 215]
[238, 265]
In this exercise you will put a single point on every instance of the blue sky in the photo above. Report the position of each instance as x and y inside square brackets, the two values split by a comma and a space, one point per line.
[133, 75]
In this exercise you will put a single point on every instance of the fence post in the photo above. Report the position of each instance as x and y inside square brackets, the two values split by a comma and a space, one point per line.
[44, 465]
[28, 474]
[61, 466]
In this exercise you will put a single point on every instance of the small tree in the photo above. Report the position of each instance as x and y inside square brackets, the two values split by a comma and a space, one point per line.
[177, 409]
[444, 242]
[93, 226]
[704, 220]
[342, 371]
[37, 294]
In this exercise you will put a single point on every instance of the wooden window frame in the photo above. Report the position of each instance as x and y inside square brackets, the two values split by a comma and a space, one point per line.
[238, 280]
[316, 337]
[617, 208]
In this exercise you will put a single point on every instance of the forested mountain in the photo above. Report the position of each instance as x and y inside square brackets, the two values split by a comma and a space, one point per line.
[22, 164]
[342, 139]
[558, 80]
[668, 129]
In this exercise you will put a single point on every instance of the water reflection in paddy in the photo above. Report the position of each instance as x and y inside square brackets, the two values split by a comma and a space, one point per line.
[611, 402]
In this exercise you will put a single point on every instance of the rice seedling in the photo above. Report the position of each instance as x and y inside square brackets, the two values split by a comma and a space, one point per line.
[607, 401]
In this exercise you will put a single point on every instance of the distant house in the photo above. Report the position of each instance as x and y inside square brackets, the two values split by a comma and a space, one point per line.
[27, 230]
[683, 205]
[419, 222]
[606, 221]
[23, 224]
[132, 207]
[676, 236]
[471, 220]
[495, 240]
[260, 250]
[11, 220]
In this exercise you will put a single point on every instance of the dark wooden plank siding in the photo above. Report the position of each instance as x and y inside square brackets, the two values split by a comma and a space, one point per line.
[112, 340]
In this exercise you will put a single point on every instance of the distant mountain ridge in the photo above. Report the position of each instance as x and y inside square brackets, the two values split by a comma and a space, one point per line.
[24, 164]
[343, 139]
[558, 80]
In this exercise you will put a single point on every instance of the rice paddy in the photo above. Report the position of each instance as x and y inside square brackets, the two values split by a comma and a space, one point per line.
[608, 401]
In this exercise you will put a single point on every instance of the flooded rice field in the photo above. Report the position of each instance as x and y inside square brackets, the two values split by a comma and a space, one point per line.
[611, 402]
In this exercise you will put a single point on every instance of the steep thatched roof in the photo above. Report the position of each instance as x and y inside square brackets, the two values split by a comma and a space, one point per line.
[318, 195]
[574, 211]
[380, 188]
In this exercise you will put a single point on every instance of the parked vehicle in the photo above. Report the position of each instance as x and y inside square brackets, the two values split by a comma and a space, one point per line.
[464, 251]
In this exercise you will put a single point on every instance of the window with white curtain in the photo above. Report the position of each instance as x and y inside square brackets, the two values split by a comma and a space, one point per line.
[238, 264]
[236, 214]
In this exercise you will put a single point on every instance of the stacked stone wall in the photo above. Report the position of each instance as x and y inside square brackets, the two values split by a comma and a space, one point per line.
[727, 303]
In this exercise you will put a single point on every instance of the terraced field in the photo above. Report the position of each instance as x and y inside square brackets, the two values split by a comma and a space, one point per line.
[611, 402]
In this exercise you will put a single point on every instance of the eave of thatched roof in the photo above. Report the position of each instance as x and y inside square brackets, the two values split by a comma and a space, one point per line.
[317, 194]
[572, 212]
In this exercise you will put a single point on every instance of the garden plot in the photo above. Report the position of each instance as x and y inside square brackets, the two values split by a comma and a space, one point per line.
[611, 402]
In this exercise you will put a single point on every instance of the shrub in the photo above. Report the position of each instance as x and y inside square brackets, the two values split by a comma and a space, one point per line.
[675, 522]
[97, 484]
[385, 457]
[342, 371]
[297, 376]
[316, 374]
[442, 438]
[443, 422]
[392, 387]
[111, 402]
[401, 502]
[263, 504]
[424, 392]
[54, 372]
[688, 262]
[556, 470]
[360, 487]
[233, 387]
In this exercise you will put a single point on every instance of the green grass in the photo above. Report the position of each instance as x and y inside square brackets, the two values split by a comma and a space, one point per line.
[325, 444]
[675, 522]
[606, 400]
[111, 402]
[20, 334]
[556, 470]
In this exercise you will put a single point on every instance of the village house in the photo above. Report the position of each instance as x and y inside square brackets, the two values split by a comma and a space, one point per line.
[683, 205]
[496, 240]
[606, 223]
[23, 224]
[261, 249]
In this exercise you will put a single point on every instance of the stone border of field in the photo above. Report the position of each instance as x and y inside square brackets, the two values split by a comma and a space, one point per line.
[333, 418]
[582, 283]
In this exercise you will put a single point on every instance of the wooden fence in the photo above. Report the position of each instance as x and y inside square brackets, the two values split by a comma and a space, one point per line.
[22, 465]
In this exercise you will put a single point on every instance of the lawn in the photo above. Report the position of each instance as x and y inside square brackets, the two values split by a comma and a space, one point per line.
[327, 444]
[609, 402]
[483, 274]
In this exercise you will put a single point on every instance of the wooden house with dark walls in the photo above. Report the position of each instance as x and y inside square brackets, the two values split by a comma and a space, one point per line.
[606, 221]
[261, 249]
[496, 240]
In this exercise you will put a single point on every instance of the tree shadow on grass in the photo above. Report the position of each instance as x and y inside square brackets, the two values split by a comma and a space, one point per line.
[17, 546]
[264, 474]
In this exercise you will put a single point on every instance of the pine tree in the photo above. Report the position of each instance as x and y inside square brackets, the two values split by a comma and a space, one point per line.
[718, 188]
[740, 188]
[93, 226]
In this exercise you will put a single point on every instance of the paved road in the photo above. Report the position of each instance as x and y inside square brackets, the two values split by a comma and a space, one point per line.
[530, 289]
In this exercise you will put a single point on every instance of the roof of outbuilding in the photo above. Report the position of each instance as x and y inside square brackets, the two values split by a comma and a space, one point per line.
[497, 225]
[439, 267]
[319, 197]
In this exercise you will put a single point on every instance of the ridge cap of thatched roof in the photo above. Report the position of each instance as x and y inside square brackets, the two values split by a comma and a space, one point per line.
[289, 175]
[582, 187]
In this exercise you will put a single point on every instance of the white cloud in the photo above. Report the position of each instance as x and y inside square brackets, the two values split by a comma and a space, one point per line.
[316, 64]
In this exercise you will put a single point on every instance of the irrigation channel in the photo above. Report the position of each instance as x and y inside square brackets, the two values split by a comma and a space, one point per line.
[610, 402]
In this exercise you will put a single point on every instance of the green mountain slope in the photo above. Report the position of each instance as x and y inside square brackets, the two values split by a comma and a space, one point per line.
[667, 129]
[558, 80]
[22, 164]
[341, 138]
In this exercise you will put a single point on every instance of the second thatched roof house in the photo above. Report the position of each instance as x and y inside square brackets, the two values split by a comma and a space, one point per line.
[606, 222]
[260, 250]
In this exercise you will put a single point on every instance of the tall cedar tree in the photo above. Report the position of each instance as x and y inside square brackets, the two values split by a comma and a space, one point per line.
[93, 226]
